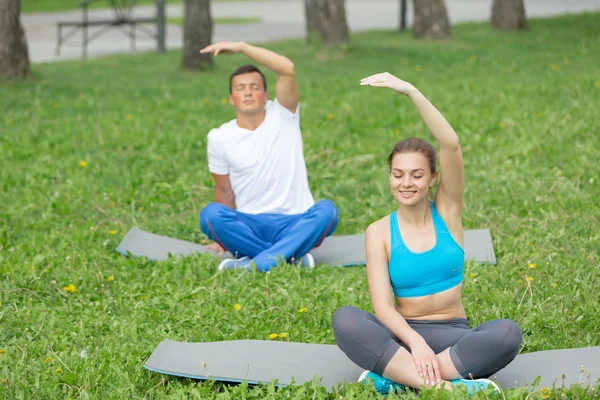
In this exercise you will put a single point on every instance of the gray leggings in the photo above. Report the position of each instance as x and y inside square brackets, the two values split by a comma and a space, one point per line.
[476, 353]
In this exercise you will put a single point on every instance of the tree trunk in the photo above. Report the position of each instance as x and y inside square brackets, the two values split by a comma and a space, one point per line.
[509, 14]
[431, 19]
[14, 56]
[197, 34]
[328, 18]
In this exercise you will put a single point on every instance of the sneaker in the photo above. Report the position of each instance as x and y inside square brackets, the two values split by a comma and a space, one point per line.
[475, 385]
[382, 385]
[306, 261]
[231, 263]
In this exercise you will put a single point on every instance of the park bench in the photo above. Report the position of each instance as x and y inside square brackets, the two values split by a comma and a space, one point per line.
[122, 19]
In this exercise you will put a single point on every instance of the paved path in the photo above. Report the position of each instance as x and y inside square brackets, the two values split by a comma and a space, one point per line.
[280, 19]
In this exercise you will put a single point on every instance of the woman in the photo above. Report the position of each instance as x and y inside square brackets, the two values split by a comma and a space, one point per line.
[423, 337]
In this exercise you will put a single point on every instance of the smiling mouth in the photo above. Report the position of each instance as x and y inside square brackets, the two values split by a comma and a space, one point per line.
[407, 193]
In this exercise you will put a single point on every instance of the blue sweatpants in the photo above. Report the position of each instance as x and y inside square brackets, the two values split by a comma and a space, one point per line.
[269, 238]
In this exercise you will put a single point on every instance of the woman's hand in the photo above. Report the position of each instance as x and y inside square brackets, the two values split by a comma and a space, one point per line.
[426, 362]
[389, 81]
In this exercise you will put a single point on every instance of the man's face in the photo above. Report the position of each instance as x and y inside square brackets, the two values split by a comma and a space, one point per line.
[248, 95]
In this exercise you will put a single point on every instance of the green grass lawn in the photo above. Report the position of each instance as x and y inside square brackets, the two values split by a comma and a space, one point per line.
[90, 149]
[28, 6]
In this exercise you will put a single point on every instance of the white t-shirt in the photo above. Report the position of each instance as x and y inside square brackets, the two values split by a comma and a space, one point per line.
[266, 166]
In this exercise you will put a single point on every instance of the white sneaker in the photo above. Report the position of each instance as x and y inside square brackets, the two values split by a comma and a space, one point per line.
[306, 261]
[231, 263]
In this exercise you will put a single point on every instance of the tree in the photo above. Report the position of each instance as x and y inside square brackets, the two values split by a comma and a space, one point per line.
[509, 14]
[14, 56]
[197, 34]
[431, 19]
[326, 19]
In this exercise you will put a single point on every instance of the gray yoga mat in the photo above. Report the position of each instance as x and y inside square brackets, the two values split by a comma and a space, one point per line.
[335, 250]
[259, 361]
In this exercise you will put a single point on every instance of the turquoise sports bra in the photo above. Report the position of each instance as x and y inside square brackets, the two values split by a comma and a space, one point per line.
[432, 271]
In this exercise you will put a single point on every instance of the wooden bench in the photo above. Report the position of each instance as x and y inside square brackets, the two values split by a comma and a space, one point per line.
[123, 20]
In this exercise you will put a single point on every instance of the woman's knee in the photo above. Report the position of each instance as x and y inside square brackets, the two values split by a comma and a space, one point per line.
[510, 338]
[344, 319]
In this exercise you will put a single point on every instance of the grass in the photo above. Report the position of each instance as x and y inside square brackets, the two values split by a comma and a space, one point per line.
[524, 104]
[224, 21]
[30, 6]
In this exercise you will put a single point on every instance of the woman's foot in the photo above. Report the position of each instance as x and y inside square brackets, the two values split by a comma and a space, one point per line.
[383, 385]
[475, 385]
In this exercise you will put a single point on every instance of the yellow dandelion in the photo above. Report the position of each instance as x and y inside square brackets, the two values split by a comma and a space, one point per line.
[57, 370]
[329, 116]
[0, 304]
[597, 85]
[538, 115]
[588, 257]
[273, 336]
[302, 310]
[12, 121]
[472, 275]
[555, 67]
[48, 360]
[223, 101]
[70, 288]
[396, 131]
[473, 58]
[532, 265]
[520, 281]
[418, 68]
[82, 164]
[545, 392]
[530, 278]
[110, 278]
[283, 335]
[237, 307]
[347, 107]
[502, 125]
[130, 117]
[2, 351]
[112, 232]
[141, 208]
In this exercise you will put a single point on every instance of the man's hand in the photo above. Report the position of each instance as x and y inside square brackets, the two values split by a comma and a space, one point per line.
[223, 48]
[389, 81]
[216, 247]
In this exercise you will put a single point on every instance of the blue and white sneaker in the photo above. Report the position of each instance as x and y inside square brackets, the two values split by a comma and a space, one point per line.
[475, 385]
[306, 261]
[233, 263]
[382, 385]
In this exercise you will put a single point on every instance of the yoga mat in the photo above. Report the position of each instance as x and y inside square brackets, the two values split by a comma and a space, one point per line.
[335, 250]
[259, 361]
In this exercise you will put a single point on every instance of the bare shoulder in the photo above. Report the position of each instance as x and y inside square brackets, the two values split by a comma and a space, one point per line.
[379, 228]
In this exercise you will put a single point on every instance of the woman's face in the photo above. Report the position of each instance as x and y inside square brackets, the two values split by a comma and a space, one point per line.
[411, 178]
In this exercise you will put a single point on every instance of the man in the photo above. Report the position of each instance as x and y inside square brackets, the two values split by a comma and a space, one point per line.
[257, 162]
